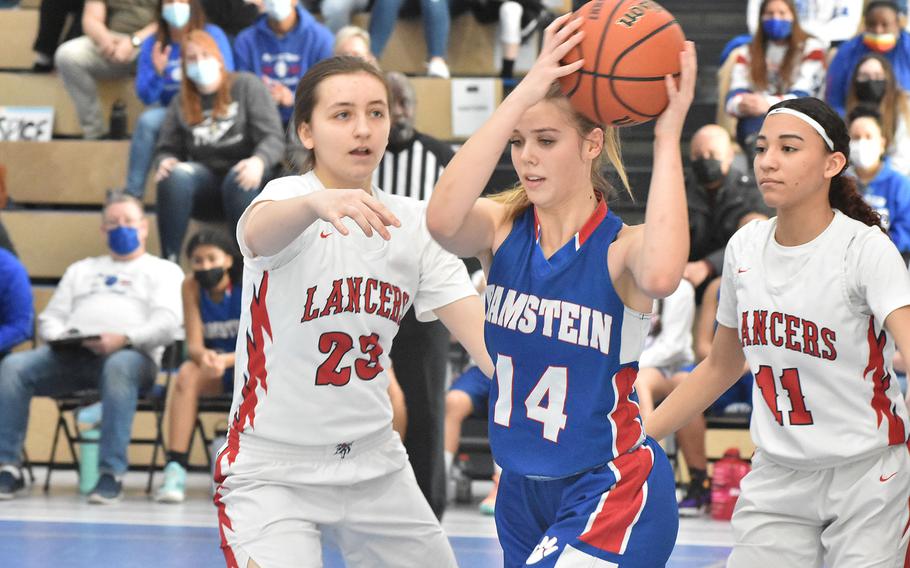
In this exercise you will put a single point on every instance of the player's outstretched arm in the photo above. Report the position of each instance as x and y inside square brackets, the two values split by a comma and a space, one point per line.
[898, 325]
[709, 380]
[456, 218]
[464, 320]
[272, 225]
[658, 255]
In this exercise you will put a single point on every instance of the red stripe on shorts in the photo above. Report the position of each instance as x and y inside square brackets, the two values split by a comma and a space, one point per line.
[224, 522]
[621, 506]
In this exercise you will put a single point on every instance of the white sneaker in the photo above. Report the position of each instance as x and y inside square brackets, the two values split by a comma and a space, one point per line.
[173, 489]
[437, 68]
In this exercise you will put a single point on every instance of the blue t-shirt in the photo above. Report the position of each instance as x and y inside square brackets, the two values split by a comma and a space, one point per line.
[566, 353]
[220, 321]
[17, 312]
[259, 50]
[889, 194]
[153, 88]
[843, 66]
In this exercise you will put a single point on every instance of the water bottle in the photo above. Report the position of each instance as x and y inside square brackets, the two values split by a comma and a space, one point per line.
[728, 472]
[118, 121]
[89, 423]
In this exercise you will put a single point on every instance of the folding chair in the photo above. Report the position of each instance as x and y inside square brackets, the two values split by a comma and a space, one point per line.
[220, 404]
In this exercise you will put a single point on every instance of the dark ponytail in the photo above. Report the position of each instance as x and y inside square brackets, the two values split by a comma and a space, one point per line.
[843, 194]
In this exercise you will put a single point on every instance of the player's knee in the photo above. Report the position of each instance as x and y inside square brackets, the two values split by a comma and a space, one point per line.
[187, 379]
[458, 405]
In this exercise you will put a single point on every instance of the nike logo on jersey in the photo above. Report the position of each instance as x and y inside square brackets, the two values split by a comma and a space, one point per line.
[546, 547]
[883, 479]
[323, 234]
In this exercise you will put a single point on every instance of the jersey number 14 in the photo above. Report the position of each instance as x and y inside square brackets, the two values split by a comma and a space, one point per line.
[552, 385]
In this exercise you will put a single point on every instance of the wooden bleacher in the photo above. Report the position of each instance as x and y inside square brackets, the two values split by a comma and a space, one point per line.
[18, 29]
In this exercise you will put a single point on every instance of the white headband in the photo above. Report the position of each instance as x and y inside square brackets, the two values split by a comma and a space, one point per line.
[808, 120]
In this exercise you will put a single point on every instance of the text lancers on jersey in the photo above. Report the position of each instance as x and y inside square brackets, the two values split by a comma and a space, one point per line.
[579, 325]
[783, 330]
[356, 294]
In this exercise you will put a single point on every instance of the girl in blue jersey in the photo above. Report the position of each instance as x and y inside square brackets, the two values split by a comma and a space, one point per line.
[211, 315]
[570, 288]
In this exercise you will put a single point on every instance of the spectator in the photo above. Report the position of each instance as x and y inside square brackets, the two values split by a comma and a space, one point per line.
[354, 41]
[337, 13]
[518, 20]
[219, 144]
[116, 312]
[280, 47]
[721, 197]
[232, 15]
[158, 79]
[882, 34]
[211, 315]
[832, 21]
[114, 30]
[874, 86]
[53, 15]
[887, 191]
[17, 310]
[781, 62]
[436, 22]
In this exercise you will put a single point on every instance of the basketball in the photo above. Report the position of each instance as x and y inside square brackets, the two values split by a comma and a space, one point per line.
[628, 48]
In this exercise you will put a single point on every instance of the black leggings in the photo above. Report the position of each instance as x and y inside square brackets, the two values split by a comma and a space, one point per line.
[53, 20]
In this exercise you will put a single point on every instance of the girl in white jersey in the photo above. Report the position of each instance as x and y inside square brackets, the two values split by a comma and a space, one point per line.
[814, 299]
[311, 448]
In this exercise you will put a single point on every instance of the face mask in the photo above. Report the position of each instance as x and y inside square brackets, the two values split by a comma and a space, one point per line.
[176, 14]
[865, 154]
[707, 171]
[881, 43]
[278, 10]
[777, 29]
[871, 91]
[210, 278]
[205, 72]
[123, 240]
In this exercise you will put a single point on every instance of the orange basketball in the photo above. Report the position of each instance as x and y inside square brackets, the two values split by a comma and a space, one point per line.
[628, 48]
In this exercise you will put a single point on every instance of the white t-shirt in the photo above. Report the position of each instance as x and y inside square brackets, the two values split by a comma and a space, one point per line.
[811, 322]
[672, 347]
[318, 319]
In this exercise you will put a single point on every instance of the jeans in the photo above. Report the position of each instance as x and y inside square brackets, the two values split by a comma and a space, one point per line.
[142, 149]
[80, 65]
[194, 190]
[45, 372]
[337, 13]
[436, 20]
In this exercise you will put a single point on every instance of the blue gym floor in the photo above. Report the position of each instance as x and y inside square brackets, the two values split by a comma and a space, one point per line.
[63, 531]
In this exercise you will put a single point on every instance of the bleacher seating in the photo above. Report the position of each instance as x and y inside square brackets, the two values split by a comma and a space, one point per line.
[18, 29]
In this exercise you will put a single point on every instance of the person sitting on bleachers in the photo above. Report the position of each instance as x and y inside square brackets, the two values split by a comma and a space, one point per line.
[882, 34]
[114, 30]
[158, 80]
[721, 196]
[219, 144]
[107, 325]
[436, 23]
[232, 15]
[280, 47]
[518, 21]
[51, 23]
[874, 86]
[17, 311]
[354, 41]
[211, 316]
[886, 190]
[781, 62]
[832, 21]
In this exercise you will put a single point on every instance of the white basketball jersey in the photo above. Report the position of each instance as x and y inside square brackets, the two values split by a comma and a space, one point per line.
[810, 320]
[318, 319]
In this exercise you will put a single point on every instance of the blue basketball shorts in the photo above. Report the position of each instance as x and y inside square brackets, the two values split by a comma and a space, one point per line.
[619, 515]
[477, 386]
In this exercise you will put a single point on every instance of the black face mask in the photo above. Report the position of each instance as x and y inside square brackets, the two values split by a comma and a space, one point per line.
[871, 91]
[210, 278]
[707, 170]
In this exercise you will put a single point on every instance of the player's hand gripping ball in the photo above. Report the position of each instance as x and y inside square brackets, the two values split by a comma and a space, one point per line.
[629, 47]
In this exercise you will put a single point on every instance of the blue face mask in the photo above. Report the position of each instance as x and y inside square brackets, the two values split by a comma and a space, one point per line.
[123, 240]
[777, 29]
[176, 14]
[204, 72]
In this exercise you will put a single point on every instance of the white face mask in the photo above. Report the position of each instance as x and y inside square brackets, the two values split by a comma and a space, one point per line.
[866, 153]
[204, 72]
[278, 10]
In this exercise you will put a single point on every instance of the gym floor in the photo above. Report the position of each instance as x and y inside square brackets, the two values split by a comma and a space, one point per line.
[62, 530]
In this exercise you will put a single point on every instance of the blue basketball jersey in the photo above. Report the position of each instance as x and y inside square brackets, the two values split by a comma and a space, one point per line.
[566, 353]
[220, 321]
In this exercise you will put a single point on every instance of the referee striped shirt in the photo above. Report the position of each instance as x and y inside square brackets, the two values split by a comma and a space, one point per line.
[412, 170]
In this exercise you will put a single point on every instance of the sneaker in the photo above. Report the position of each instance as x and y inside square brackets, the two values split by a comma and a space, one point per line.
[488, 505]
[109, 490]
[11, 481]
[173, 490]
[697, 501]
[437, 68]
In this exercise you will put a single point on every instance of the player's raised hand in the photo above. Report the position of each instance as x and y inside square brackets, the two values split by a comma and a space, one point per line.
[560, 37]
[368, 212]
[671, 120]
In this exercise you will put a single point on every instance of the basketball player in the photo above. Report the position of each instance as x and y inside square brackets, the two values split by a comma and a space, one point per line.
[812, 298]
[568, 295]
[331, 264]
